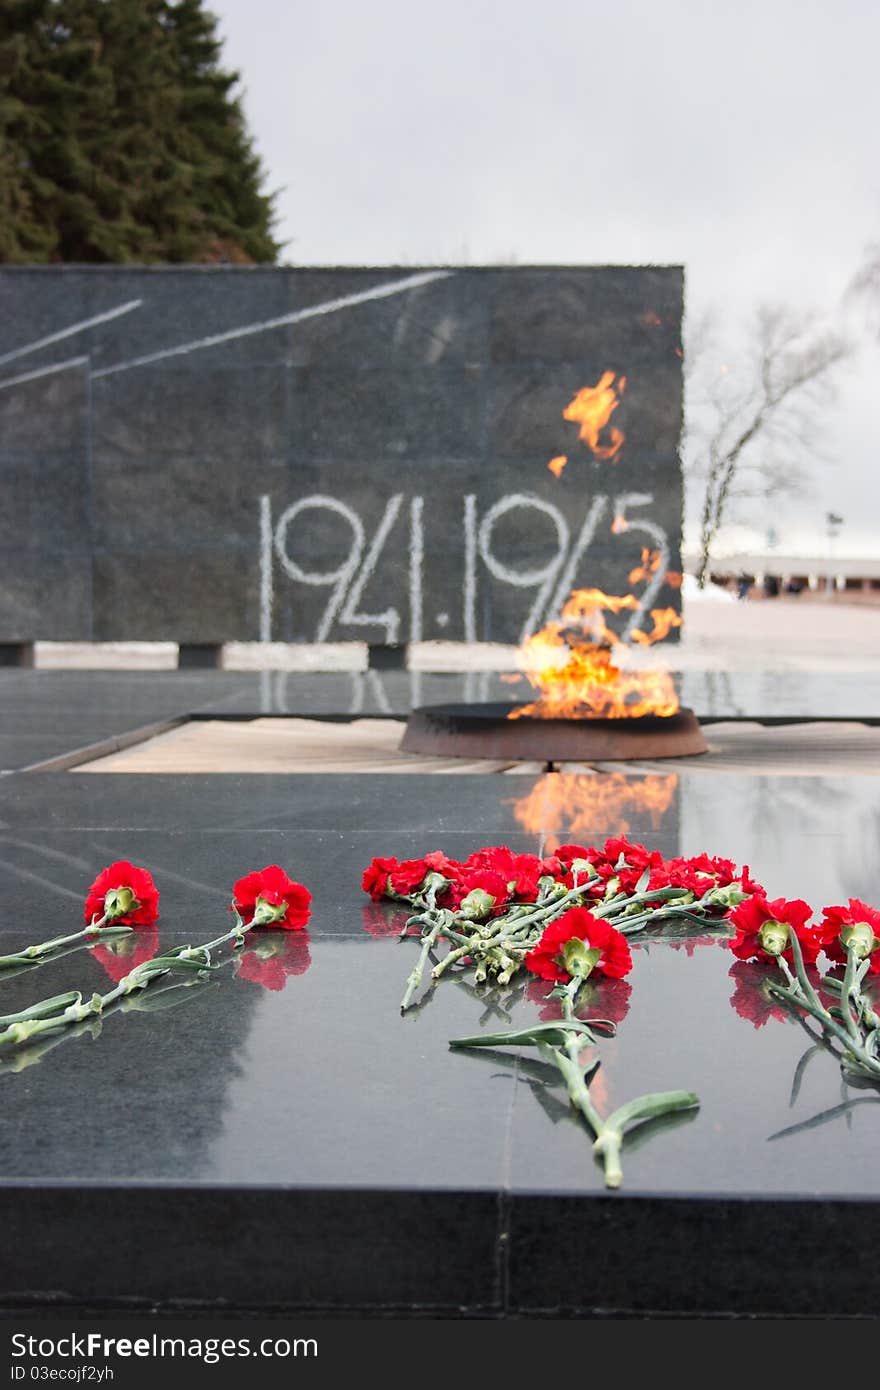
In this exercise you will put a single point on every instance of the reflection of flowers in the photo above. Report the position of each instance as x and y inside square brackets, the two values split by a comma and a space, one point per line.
[598, 997]
[381, 920]
[121, 954]
[751, 997]
[692, 942]
[273, 958]
[124, 894]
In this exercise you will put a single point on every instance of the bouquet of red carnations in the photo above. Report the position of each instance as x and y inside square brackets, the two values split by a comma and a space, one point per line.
[566, 918]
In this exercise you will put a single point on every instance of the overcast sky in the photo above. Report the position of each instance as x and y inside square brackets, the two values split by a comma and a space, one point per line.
[737, 140]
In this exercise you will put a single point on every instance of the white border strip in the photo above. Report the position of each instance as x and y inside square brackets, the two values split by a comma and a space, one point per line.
[331, 306]
[44, 371]
[69, 332]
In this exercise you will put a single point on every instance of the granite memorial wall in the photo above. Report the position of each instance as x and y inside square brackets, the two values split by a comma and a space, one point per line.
[304, 455]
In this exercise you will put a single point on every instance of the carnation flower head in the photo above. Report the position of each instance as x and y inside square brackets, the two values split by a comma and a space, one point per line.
[125, 894]
[268, 898]
[578, 944]
[375, 877]
[764, 928]
[855, 926]
[520, 872]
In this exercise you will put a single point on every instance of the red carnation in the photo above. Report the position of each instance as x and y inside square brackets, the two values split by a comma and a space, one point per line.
[375, 878]
[636, 859]
[566, 853]
[857, 924]
[268, 897]
[483, 880]
[698, 873]
[569, 945]
[120, 955]
[763, 928]
[522, 871]
[274, 960]
[440, 863]
[407, 876]
[125, 894]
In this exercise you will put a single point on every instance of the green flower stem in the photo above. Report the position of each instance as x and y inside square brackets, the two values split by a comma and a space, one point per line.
[63, 1010]
[801, 972]
[550, 1033]
[99, 926]
[575, 1078]
[851, 995]
[609, 1142]
[623, 902]
[524, 926]
[858, 1052]
[414, 979]
[44, 1009]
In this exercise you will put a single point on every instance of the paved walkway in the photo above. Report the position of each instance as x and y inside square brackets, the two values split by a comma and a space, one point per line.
[372, 745]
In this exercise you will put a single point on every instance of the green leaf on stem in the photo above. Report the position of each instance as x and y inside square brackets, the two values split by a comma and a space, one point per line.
[554, 1034]
[648, 1106]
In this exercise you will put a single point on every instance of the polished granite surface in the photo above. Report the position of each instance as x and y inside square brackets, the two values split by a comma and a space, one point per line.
[46, 714]
[284, 1118]
[287, 1104]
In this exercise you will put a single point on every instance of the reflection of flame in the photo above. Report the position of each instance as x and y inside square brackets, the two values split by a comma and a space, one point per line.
[556, 465]
[569, 806]
[570, 663]
[619, 525]
[592, 408]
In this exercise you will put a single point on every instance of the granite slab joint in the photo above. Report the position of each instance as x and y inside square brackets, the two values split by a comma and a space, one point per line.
[103, 747]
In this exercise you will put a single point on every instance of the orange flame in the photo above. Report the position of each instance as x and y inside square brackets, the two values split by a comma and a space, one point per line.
[592, 408]
[572, 806]
[665, 619]
[557, 464]
[647, 569]
[673, 579]
[570, 664]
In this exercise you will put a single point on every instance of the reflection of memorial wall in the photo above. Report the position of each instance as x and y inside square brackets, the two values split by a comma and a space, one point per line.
[773, 823]
[142, 1098]
[207, 455]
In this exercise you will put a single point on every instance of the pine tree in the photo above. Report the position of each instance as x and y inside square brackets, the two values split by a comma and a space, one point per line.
[121, 139]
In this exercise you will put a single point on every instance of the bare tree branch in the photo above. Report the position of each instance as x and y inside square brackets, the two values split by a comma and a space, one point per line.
[757, 414]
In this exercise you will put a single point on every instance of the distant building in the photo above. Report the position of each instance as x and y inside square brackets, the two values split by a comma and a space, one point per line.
[810, 572]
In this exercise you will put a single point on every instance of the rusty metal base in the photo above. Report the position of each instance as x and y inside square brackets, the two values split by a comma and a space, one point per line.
[484, 731]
